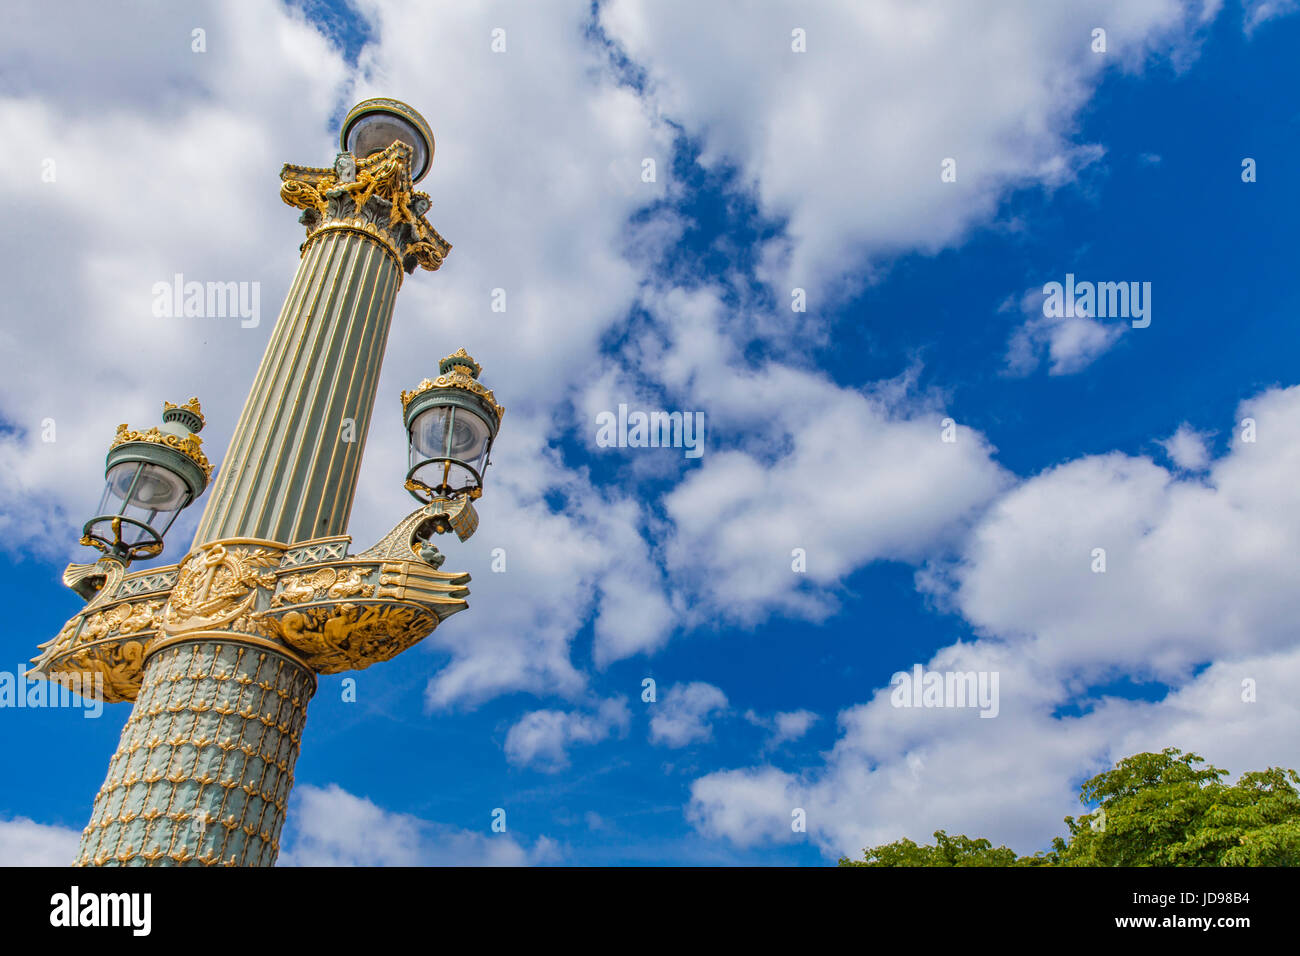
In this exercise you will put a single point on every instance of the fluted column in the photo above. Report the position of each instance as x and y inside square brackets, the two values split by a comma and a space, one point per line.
[291, 471]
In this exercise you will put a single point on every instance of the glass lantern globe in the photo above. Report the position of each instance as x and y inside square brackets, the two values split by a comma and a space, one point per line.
[451, 423]
[150, 477]
[449, 450]
[375, 124]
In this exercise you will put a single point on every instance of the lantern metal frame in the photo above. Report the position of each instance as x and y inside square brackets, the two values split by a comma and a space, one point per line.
[456, 388]
[174, 448]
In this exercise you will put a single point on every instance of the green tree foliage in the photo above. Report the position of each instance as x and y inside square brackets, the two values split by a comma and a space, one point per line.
[1152, 809]
[947, 851]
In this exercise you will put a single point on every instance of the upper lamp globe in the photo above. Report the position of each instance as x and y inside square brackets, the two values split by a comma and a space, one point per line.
[375, 124]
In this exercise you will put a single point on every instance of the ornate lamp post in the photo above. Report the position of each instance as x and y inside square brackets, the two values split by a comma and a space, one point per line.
[220, 651]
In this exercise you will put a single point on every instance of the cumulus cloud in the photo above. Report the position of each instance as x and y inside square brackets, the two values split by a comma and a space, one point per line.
[884, 94]
[1194, 605]
[1068, 343]
[745, 806]
[328, 826]
[25, 842]
[685, 714]
[1187, 449]
[541, 739]
[888, 486]
[784, 726]
[1191, 565]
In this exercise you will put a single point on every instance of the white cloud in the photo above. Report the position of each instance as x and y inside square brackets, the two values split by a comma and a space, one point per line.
[1192, 564]
[1069, 343]
[25, 842]
[745, 806]
[541, 739]
[791, 725]
[1187, 448]
[1257, 12]
[331, 827]
[795, 461]
[684, 715]
[784, 726]
[845, 141]
[1197, 594]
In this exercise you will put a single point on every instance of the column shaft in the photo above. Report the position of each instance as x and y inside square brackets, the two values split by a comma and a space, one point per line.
[204, 768]
[291, 470]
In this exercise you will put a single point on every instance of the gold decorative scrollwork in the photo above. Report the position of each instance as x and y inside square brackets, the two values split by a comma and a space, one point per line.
[337, 614]
[302, 195]
[457, 377]
[97, 581]
[119, 663]
[189, 447]
[340, 637]
[373, 195]
[217, 585]
[325, 582]
[110, 634]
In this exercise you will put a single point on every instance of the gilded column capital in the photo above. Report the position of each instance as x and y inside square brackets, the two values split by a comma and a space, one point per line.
[373, 196]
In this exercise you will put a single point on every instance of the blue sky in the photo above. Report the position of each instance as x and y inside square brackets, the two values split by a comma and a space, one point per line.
[823, 427]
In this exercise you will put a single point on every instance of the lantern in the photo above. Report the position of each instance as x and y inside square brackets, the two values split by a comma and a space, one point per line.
[150, 477]
[451, 423]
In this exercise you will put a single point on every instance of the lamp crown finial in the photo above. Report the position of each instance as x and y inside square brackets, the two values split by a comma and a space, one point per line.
[190, 414]
[460, 359]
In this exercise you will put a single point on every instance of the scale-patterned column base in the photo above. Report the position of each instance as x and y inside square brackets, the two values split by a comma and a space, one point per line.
[204, 768]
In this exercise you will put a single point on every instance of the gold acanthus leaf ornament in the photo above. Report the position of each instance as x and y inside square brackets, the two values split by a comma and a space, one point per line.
[343, 637]
[373, 195]
[457, 377]
[189, 447]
